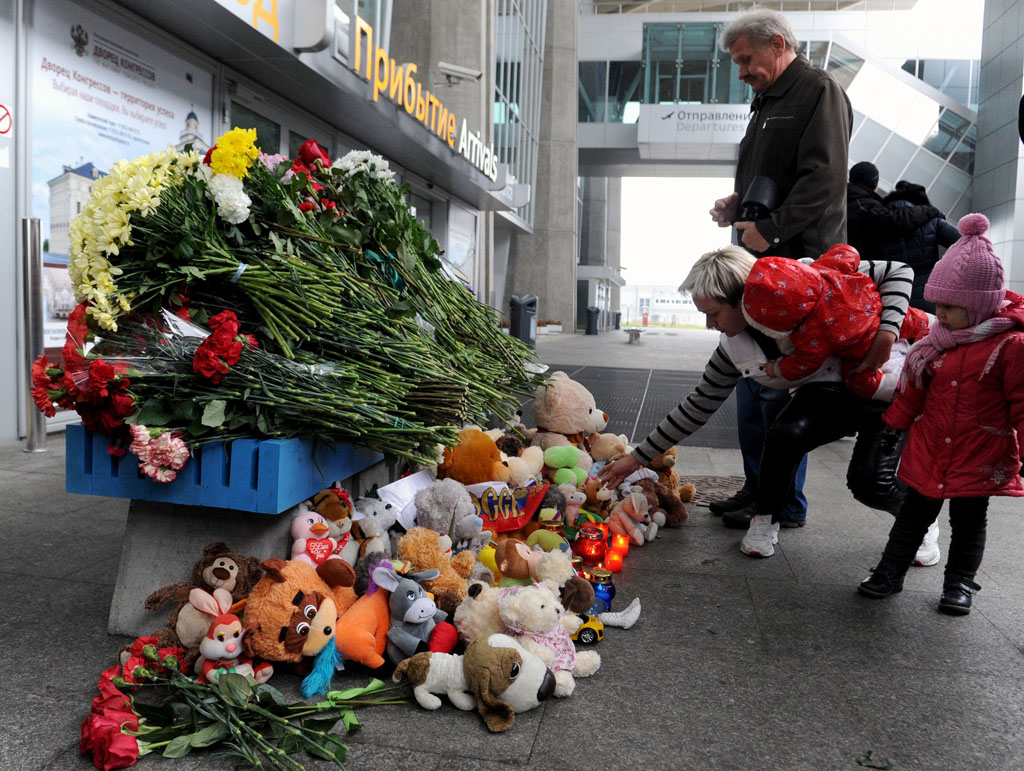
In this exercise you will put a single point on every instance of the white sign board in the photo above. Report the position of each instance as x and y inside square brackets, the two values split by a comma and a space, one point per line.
[691, 131]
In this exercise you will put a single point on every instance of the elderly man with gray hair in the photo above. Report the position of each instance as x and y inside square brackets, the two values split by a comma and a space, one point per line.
[798, 142]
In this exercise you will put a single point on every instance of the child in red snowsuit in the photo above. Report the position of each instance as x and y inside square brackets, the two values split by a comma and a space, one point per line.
[826, 309]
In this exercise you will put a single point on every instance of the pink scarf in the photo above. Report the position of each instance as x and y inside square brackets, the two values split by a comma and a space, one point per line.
[939, 339]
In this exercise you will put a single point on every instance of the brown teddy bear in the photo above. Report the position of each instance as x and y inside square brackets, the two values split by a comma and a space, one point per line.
[421, 548]
[664, 467]
[218, 568]
[663, 499]
[475, 459]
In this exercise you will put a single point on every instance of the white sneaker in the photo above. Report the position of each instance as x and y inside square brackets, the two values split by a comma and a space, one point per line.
[761, 537]
[928, 553]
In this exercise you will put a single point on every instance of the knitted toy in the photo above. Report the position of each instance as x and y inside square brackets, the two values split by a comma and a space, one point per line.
[475, 459]
[421, 548]
[497, 675]
[218, 568]
[533, 616]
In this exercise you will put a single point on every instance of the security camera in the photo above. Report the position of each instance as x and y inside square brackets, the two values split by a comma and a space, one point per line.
[455, 72]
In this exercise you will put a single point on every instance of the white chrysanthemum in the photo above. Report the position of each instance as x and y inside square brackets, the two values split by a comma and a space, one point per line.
[371, 164]
[232, 202]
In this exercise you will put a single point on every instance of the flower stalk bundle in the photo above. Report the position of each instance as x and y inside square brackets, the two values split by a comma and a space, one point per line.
[249, 721]
[329, 311]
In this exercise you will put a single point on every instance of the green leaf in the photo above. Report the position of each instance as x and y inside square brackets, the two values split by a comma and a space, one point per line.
[183, 410]
[348, 235]
[154, 412]
[179, 747]
[268, 694]
[291, 744]
[182, 712]
[213, 415]
[209, 735]
[325, 725]
[235, 688]
[263, 423]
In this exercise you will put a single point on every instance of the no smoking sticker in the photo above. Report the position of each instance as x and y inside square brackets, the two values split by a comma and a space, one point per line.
[5, 120]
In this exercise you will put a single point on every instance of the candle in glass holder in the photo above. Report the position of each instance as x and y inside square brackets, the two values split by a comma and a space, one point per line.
[620, 542]
[613, 560]
[604, 529]
[590, 545]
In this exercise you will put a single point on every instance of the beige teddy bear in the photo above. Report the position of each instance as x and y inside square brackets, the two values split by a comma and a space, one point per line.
[534, 616]
[564, 412]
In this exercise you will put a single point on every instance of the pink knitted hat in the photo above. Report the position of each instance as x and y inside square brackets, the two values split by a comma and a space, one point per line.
[970, 274]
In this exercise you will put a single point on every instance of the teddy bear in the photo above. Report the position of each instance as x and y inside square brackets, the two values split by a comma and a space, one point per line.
[422, 548]
[664, 501]
[563, 411]
[533, 616]
[525, 468]
[664, 467]
[475, 459]
[606, 448]
[218, 568]
[600, 499]
[520, 565]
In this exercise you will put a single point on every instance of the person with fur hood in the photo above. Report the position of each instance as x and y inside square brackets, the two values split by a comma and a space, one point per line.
[961, 402]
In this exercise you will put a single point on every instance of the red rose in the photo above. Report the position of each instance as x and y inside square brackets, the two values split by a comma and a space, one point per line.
[115, 750]
[209, 154]
[311, 153]
[107, 676]
[299, 167]
[85, 743]
[306, 206]
[113, 701]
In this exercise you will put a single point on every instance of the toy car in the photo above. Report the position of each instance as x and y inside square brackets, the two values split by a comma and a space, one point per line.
[591, 631]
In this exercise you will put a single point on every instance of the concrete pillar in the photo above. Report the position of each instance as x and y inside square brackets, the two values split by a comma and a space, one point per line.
[594, 221]
[998, 170]
[544, 263]
[613, 234]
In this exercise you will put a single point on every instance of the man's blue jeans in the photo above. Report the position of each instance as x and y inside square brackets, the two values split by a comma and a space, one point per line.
[757, 406]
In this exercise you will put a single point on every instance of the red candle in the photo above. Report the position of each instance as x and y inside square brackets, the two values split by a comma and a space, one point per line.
[613, 560]
[620, 542]
[590, 545]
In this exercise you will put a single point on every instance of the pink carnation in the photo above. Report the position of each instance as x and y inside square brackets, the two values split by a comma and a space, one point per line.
[168, 450]
[159, 473]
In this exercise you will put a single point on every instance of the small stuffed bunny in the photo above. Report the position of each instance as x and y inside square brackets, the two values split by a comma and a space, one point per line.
[221, 649]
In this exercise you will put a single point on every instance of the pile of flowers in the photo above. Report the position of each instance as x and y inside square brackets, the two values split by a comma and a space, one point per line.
[152, 705]
[249, 295]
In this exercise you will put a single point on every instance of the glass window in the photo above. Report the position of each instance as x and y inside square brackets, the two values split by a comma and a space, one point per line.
[593, 90]
[963, 156]
[866, 142]
[683, 64]
[895, 155]
[948, 187]
[268, 132]
[950, 128]
[922, 168]
[950, 76]
[624, 79]
[843, 65]
[295, 141]
[816, 51]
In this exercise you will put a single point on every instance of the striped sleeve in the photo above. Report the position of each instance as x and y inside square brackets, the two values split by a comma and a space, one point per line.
[718, 381]
[894, 281]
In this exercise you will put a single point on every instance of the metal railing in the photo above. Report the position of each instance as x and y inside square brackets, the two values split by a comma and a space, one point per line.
[32, 264]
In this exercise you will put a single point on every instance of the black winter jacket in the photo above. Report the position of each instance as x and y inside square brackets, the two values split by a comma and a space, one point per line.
[874, 229]
[920, 249]
[799, 136]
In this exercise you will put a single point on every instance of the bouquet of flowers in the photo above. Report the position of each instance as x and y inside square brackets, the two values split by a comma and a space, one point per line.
[241, 294]
[150, 705]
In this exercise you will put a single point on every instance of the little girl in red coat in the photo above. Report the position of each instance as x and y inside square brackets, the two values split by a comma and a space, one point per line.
[962, 400]
[825, 309]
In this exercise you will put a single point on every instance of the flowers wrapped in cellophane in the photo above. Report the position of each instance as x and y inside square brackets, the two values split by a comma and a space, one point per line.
[317, 305]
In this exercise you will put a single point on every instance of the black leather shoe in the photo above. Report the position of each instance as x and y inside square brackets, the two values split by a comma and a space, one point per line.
[956, 599]
[881, 583]
[740, 519]
[790, 523]
[741, 500]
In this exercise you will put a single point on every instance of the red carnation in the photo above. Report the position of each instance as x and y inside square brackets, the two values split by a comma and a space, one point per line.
[209, 154]
[306, 206]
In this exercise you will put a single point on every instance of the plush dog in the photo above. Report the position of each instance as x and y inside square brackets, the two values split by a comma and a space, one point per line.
[497, 675]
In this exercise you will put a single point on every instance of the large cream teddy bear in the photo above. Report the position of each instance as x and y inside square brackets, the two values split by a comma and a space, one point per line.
[565, 413]
[534, 616]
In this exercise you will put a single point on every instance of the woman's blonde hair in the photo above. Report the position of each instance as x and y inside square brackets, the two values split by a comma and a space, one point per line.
[720, 275]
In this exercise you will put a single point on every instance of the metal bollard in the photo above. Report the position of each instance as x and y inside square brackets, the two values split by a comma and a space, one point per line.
[32, 258]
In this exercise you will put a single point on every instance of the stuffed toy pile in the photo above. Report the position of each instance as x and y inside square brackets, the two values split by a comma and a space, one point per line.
[468, 578]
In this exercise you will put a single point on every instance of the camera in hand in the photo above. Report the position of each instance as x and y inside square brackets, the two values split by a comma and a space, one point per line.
[760, 200]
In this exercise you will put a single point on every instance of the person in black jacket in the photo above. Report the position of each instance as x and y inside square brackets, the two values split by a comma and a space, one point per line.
[872, 228]
[920, 248]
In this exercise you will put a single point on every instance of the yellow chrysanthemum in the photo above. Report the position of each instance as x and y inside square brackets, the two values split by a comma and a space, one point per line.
[235, 153]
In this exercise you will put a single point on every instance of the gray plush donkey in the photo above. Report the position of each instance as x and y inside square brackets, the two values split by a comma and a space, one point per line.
[413, 613]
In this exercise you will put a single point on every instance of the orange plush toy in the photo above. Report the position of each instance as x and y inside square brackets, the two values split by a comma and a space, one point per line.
[421, 548]
[475, 459]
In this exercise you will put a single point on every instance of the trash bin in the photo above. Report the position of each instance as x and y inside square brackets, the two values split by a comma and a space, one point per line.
[522, 318]
[593, 313]
[618, 319]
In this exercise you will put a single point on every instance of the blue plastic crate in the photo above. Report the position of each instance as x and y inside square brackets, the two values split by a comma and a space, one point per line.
[266, 476]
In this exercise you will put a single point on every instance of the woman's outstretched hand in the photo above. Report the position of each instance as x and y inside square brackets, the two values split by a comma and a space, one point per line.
[613, 474]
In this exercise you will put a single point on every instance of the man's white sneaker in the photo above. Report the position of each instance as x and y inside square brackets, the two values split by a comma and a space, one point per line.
[761, 537]
[928, 553]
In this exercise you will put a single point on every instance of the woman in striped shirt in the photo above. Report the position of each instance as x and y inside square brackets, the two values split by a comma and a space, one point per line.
[821, 409]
